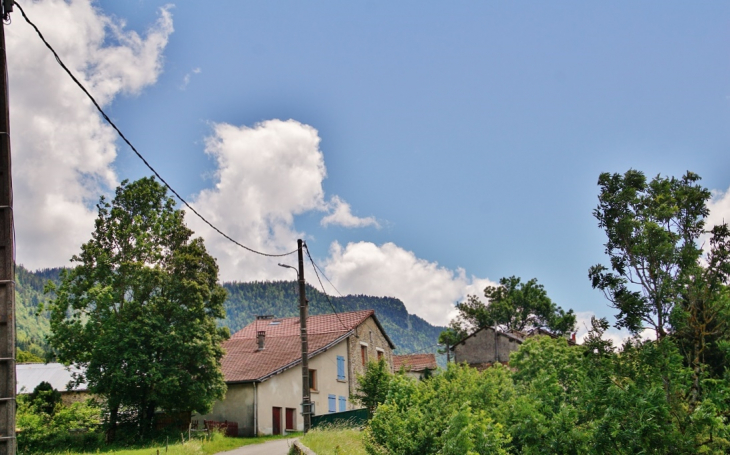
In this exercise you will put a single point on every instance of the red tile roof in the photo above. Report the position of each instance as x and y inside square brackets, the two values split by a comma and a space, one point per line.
[244, 362]
[414, 362]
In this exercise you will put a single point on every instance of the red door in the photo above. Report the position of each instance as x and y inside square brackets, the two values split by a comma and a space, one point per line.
[276, 420]
[290, 419]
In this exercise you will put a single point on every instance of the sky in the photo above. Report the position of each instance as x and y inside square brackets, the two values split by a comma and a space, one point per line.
[423, 150]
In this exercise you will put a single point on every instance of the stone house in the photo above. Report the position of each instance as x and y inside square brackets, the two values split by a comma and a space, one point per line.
[414, 365]
[486, 346]
[29, 375]
[262, 369]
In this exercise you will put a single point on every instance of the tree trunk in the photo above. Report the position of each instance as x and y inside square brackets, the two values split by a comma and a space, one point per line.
[111, 431]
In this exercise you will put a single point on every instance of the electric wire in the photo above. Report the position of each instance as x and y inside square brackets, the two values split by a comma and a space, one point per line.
[314, 266]
[325, 277]
[139, 155]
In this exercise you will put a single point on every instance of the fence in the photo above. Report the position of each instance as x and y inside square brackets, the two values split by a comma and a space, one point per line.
[354, 418]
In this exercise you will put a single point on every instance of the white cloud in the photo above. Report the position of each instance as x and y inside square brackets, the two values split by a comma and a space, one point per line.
[719, 207]
[341, 214]
[266, 175]
[273, 171]
[62, 150]
[618, 337]
[389, 270]
[186, 78]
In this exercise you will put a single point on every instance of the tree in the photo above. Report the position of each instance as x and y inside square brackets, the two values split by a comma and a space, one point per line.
[653, 231]
[138, 314]
[372, 387]
[514, 305]
[450, 336]
[661, 277]
[45, 398]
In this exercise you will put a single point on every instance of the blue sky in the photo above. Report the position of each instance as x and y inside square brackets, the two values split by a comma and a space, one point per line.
[472, 133]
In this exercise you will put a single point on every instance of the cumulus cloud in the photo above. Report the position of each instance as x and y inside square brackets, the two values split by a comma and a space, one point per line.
[618, 337]
[719, 206]
[341, 214]
[389, 270]
[273, 171]
[62, 150]
[266, 175]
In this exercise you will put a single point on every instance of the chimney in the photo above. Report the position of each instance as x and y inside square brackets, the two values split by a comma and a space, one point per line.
[260, 336]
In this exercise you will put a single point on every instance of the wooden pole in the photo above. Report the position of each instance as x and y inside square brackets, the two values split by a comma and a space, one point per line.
[306, 397]
[7, 270]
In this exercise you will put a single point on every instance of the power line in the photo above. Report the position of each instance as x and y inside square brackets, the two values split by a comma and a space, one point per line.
[314, 266]
[325, 276]
[139, 155]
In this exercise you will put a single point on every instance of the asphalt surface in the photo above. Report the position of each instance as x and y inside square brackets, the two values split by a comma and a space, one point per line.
[275, 447]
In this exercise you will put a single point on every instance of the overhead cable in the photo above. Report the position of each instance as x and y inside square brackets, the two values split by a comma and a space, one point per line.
[139, 155]
[314, 266]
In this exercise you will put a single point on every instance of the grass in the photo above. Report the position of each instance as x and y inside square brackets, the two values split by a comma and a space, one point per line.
[196, 446]
[334, 440]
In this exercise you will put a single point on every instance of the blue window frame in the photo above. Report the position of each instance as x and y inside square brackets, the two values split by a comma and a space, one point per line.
[343, 404]
[340, 368]
[332, 403]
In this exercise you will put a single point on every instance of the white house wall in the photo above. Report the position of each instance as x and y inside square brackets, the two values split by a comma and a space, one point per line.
[237, 406]
[285, 390]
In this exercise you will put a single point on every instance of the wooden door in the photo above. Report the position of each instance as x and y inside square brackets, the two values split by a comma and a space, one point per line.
[276, 420]
[290, 419]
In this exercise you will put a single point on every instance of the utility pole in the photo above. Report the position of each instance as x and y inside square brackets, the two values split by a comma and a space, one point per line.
[7, 266]
[306, 397]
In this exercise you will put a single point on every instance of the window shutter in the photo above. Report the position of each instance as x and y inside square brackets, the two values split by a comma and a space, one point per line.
[340, 368]
[332, 402]
[343, 404]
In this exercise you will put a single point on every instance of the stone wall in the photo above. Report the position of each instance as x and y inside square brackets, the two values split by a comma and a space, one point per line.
[368, 335]
[485, 346]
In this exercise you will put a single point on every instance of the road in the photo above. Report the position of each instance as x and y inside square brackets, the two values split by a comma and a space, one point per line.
[275, 447]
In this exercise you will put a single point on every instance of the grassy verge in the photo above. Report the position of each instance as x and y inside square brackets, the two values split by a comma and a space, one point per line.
[334, 441]
[197, 446]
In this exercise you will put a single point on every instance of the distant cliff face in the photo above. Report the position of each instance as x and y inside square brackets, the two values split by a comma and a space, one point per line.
[245, 301]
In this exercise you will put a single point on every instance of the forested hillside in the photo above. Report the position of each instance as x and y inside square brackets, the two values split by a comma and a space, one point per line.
[245, 301]
[409, 332]
[31, 327]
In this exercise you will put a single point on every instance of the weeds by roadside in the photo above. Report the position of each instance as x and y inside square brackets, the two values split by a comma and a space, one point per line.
[334, 440]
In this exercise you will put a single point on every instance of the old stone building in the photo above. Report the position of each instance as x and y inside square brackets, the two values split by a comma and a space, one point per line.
[485, 347]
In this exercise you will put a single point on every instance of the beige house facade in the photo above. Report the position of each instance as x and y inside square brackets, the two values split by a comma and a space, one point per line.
[262, 368]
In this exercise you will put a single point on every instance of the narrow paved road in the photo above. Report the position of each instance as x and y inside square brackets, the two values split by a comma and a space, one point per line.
[276, 447]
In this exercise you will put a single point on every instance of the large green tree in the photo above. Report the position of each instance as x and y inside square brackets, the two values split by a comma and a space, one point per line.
[514, 305]
[653, 230]
[661, 277]
[138, 313]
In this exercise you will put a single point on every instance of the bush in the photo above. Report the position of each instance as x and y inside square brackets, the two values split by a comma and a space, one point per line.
[43, 429]
[421, 417]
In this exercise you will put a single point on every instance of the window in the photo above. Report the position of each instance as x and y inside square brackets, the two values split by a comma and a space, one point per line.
[343, 404]
[340, 368]
[313, 380]
[364, 354]
[380, 354]
[331, 403]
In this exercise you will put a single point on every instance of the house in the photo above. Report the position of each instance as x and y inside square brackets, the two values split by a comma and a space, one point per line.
[262, 369]
[414, 365]
[29, 375]
[486, 346]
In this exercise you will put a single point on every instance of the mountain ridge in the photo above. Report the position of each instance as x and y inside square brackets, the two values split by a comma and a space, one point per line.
[246, 300]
